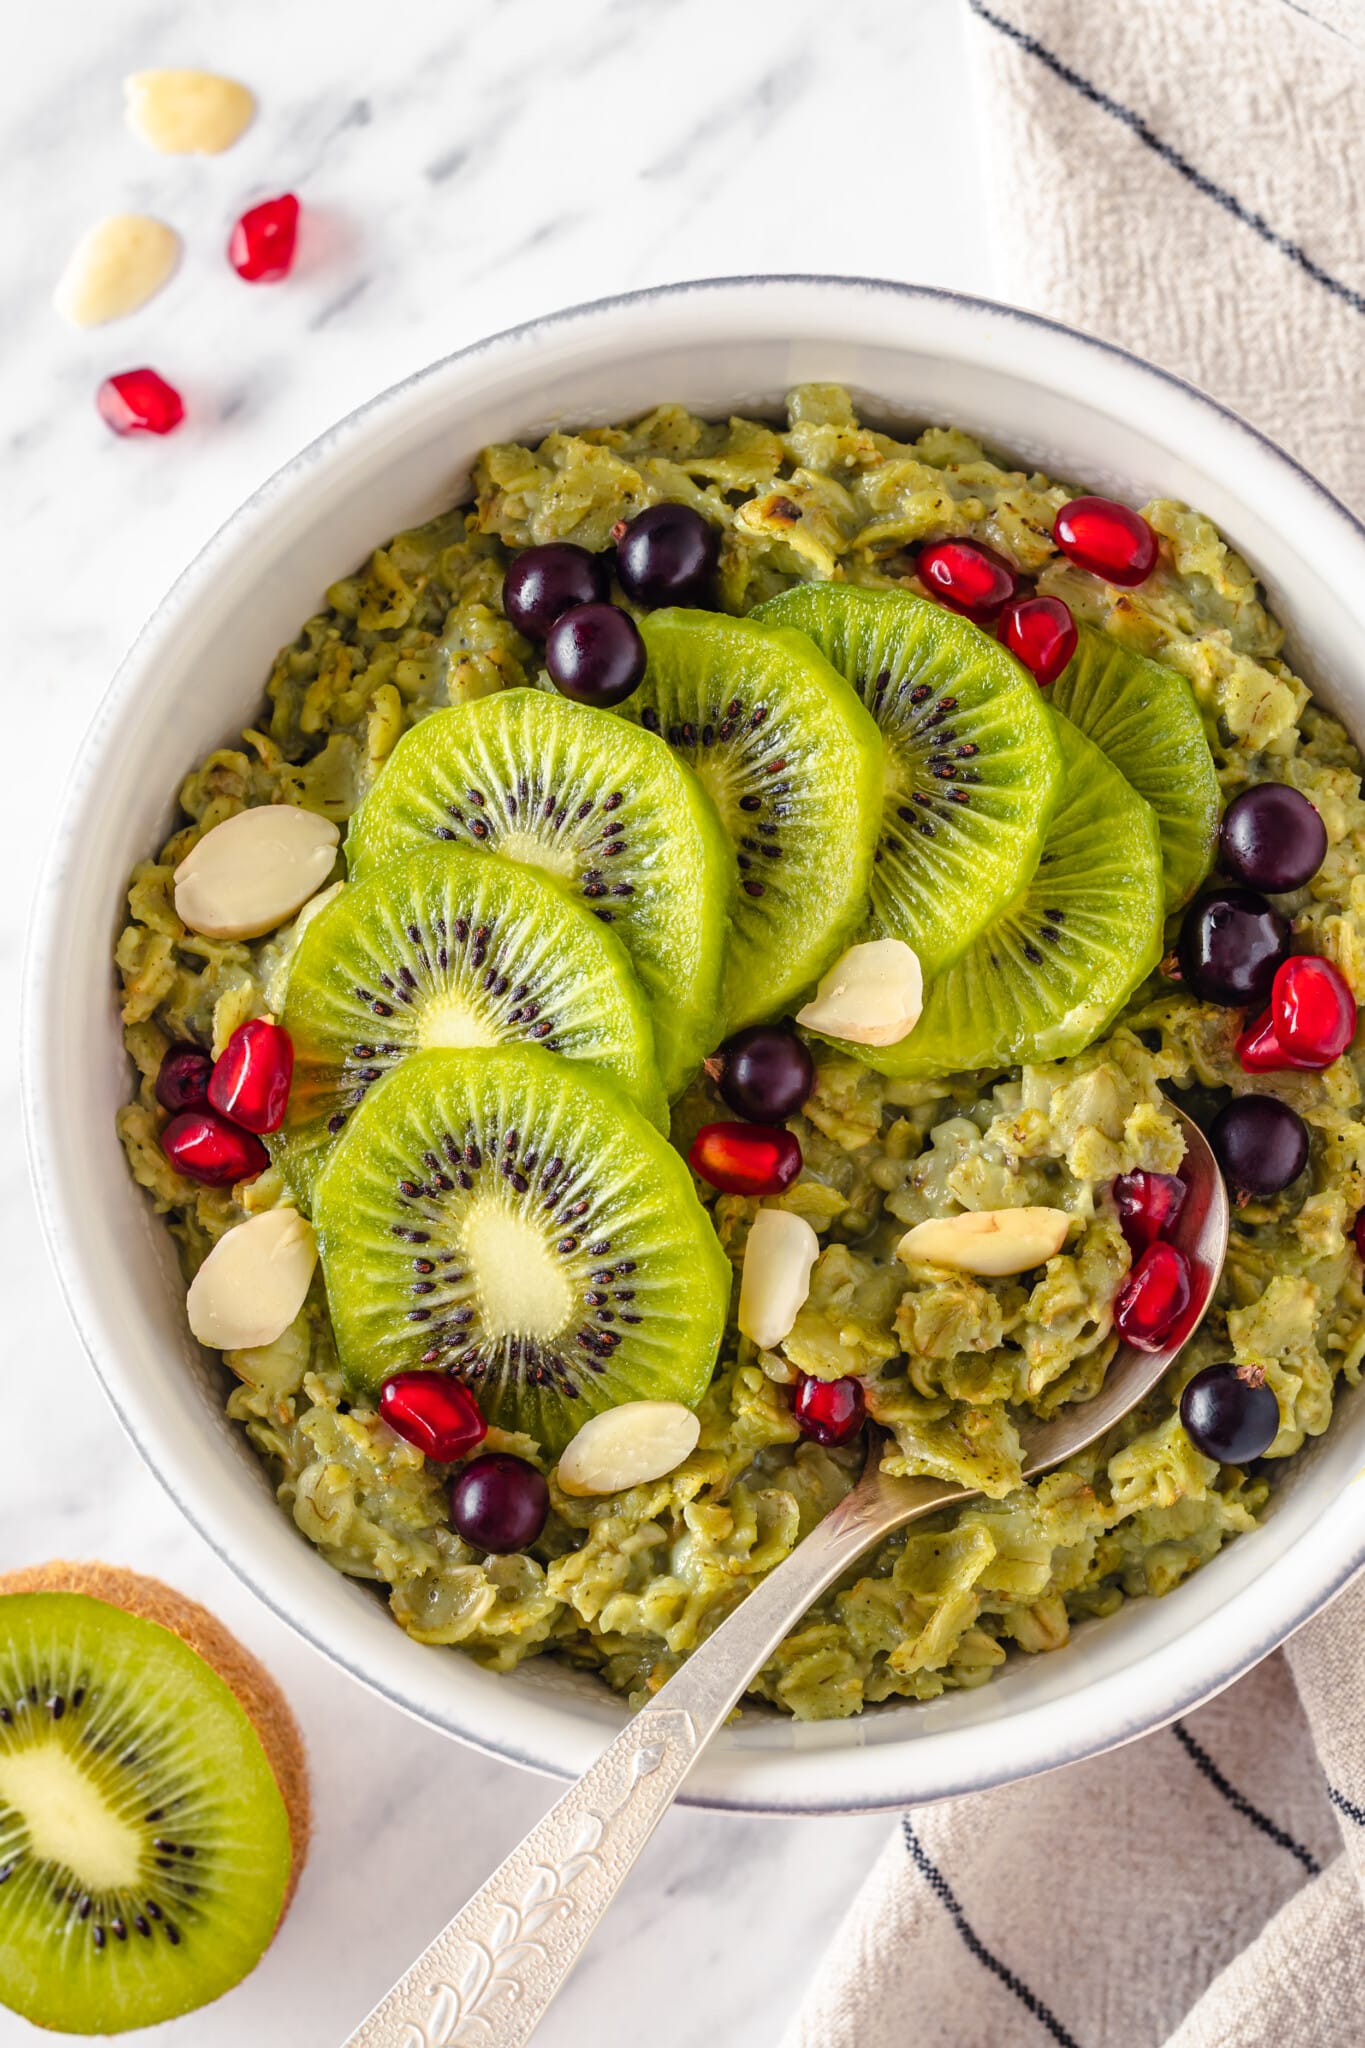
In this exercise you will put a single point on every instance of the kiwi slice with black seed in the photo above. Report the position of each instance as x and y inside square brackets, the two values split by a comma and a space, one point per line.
[1043, 980]
[973, 768]
[1143, 715]
[153, 1801]
[793, 764]
[510, 1217]
[446, 948]
[604, 809]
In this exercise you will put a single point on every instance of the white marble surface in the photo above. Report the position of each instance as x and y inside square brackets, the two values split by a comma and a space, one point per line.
[461, 166]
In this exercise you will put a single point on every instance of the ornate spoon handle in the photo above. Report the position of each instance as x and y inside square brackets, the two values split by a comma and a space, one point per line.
[486, 1981]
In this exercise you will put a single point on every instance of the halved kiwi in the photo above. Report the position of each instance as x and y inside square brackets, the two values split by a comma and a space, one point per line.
[511, 1217]
[602, 807]
[444, 947]
[153, 1801]
[973, 768]
[793, 764]
[1143, 715]
[1043, 980]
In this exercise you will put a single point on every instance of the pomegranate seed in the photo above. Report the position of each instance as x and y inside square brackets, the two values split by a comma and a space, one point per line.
[1358, 1233]
[261, 248]
[968, 577]
[182, 1079]
[1154, 1297]
[746, 1159]
[1040, 632]
[250, 1079]
[829, 1411]
[1259, 1050]
[207, 1148]
[1313, 1010]
[433, 1411]
[1149, 1206]
[1108, 539]
[139, 402]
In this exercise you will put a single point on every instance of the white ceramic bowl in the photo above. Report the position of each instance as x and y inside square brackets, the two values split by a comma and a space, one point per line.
[1077, 408]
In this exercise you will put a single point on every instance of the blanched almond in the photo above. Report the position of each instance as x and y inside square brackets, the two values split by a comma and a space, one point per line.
[627, 1446]
[778, 1258]
[186, 113]
[254, 870]
[115, 267]
[872, 995]
[253, 1283]
[988, 1241]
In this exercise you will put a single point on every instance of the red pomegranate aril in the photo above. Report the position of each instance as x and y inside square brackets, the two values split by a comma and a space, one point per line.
[1108, 539]
[829, 1411]
[261, 248]
[182, 1079]
[1313, 1009]
[139, 402]
[206, 1147]
[1358, 1233]
[1040, 632]
[1259, 1050]
[746, 1159]
[251, 1077]
[433, 1411]
[1149, 1206]
[1154, 1297]
[968, 577]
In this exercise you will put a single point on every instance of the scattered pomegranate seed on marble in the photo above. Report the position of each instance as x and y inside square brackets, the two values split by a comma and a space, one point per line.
[139, 402]
[261, 247]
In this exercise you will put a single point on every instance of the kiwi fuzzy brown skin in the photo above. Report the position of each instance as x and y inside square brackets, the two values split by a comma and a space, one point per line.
[245, 1676]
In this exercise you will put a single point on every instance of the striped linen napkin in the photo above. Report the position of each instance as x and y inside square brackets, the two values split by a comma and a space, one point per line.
[1186, 177]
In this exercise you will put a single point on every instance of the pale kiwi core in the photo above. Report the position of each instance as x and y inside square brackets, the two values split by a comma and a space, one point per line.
[68, 1821]
[550, 855]
[523, 1289]
[449, 1020]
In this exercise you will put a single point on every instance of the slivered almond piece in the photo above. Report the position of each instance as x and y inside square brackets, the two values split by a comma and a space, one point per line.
[116, 267]
[254, 870]
[627, 1446]
[186, 113]
[254, 1281]
[872, 995]
[778, 1258]
[991, 1242]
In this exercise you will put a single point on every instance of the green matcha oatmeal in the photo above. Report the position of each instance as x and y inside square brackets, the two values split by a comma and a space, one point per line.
[714, 822]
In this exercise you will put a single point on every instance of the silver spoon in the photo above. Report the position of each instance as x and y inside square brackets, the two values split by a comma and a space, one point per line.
[486, 1981]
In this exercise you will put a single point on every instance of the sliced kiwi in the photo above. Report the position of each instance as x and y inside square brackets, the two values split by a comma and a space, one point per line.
[444, 947]
[973, 769]
[153, 1802]
[1044, 979]
[511, 1217]
[1143, 715]
[600, 806]
[793, 764]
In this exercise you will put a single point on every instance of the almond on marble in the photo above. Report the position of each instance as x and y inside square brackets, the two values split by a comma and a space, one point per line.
[117, 265]
[186, 113]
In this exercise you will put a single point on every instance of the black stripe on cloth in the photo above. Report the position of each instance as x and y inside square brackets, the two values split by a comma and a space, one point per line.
[1201, 181]
[1239, 1803]
[947, 1898]
[1346, 1806]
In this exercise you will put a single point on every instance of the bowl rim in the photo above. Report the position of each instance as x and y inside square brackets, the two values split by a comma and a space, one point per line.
[1323, 1558]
